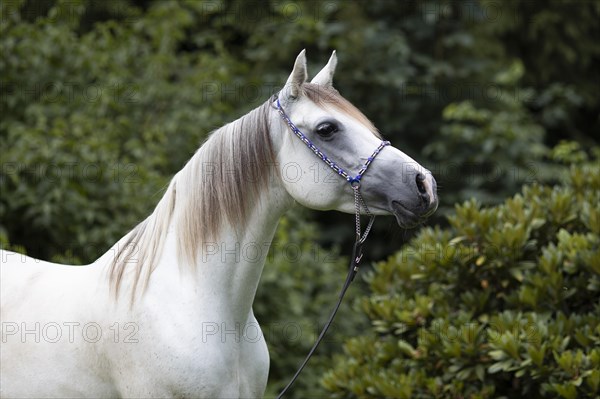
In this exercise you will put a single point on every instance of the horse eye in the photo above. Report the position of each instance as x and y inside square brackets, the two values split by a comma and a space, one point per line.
[326, 129]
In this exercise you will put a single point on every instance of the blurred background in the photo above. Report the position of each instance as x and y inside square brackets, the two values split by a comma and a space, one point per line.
[103, 101]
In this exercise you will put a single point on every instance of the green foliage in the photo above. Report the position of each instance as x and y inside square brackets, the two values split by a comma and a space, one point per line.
[503, 303]
[556, 41]
[94, 123]
[490, 150]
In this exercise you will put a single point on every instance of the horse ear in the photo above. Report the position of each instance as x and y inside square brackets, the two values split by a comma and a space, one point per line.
[325, 76]
[297, 77]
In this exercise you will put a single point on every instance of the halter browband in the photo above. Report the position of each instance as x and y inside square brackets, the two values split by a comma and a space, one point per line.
[339, 170]
[360, 237]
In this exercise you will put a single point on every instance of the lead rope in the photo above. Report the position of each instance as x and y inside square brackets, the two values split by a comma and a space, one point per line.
[357, 255]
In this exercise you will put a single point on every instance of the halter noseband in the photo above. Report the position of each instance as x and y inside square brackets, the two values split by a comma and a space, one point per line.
[360, 236]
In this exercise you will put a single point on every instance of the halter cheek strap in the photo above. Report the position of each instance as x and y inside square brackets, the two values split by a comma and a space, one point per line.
[359, 204]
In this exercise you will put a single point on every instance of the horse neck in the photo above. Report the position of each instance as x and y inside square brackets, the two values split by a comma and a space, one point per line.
[226, 261]
[222, 284]
[193, 249]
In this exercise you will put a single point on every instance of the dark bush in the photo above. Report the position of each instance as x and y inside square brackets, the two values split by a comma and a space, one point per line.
[503, 303]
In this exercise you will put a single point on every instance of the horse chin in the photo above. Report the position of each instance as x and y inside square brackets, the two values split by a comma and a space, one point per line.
[404, 217]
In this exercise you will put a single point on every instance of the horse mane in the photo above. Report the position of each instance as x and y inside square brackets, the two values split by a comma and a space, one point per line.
[215, 187]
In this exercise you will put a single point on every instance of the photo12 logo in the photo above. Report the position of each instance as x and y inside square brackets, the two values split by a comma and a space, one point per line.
[69, 332]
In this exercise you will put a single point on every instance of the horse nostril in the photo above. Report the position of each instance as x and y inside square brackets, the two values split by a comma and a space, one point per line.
[420, 179]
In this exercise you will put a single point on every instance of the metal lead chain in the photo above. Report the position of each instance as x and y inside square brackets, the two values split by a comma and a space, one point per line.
[359, 203]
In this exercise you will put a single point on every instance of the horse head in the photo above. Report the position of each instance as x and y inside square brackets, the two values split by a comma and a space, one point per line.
[341, 136]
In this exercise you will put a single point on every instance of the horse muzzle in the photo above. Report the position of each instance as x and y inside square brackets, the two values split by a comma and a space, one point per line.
[423, 202]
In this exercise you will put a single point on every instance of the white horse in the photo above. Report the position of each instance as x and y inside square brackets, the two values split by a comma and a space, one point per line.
[167, 311]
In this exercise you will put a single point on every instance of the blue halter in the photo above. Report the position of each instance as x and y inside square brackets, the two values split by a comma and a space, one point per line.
[354, 181]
